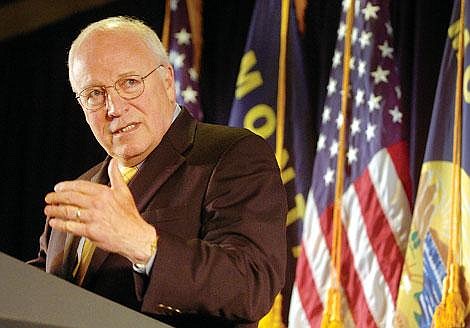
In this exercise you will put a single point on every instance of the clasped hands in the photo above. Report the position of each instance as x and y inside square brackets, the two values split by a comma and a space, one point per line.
[107, 215]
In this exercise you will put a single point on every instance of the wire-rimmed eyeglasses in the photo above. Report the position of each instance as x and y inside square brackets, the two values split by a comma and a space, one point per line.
[127, 87]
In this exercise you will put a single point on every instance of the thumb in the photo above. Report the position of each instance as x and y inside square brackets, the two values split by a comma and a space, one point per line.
[115, 177]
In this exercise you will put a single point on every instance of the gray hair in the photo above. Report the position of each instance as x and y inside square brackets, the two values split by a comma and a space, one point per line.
[122, 23]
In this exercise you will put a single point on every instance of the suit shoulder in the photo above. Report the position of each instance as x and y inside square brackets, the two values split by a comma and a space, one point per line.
[223, 137]
[212, 141]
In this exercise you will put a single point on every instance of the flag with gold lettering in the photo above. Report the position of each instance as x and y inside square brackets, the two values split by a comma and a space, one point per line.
[421, 285]
[255, 107]
[376, 196]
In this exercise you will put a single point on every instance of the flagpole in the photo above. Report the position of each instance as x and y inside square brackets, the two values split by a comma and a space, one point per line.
[281, 82]
[332, 314]
[166, 26]
[451, 310]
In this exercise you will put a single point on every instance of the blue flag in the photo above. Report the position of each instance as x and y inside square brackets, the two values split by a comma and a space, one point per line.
[255, 108]
[425, 263]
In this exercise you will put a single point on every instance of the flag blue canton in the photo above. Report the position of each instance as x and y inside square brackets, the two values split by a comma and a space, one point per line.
[181, 57]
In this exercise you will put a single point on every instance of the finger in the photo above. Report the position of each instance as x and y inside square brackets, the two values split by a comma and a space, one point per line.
[115, 177]
[73, 198]
[82, 186]
[74, 227]
[66, 212]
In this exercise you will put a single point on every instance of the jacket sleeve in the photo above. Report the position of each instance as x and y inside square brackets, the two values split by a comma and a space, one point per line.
[40, 261]
[236, 269]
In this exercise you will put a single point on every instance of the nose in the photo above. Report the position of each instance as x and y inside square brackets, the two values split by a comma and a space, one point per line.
[115, 105]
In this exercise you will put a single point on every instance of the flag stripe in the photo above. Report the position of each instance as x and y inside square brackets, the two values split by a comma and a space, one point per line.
[318, 258]
[349, 277]
[399, 155]
[311, 303]
[380, 235]
[366, 262]
[387, 175]
[297, 316]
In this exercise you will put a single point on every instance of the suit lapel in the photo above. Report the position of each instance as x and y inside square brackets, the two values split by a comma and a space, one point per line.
[164, 160]
[157, 168]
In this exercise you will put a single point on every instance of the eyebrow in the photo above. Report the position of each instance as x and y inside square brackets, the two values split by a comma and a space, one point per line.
[97, 84]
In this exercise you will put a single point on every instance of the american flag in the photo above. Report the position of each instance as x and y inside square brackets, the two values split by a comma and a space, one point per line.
[377, 187]
[181, 54]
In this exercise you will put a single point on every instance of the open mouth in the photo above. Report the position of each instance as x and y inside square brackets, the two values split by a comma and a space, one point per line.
[127, 128]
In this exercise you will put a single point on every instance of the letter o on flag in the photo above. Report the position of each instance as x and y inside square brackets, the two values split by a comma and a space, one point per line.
[466, 79]
[261, 120]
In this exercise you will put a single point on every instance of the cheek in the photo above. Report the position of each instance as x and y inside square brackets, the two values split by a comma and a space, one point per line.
[97, 125]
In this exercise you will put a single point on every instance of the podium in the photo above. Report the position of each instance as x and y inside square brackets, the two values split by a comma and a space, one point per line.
[30, 298]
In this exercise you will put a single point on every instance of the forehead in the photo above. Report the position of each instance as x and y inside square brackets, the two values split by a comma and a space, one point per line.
[105, 55]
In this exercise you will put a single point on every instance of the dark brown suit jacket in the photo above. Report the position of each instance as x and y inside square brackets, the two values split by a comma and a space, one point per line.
[215, 196]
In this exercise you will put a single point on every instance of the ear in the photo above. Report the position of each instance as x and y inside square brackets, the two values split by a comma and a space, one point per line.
[168, 76]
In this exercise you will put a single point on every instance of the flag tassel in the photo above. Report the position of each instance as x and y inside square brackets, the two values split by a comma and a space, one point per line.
[332, 314]
[451, 311]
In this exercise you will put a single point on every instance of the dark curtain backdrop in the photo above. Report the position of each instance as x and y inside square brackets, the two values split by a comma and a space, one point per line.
[45, 139]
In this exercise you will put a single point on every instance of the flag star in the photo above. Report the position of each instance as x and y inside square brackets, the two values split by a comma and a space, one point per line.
[370, 131]
[172, 55]
[331, 86]
[352, 63]
[396, 114]
[193, 74]
[321, 143]
[355, 126]
[334, 148]
[326, 115]
[374, 102]
[370, 11]
[341, 31]
[174, 5]
[389, 28]
[336, 59]
[345, 5]
[361, 68]
[365, 38]
[380, 75]
[352, 154]
[189, 95]
[398, 92]
[354, 35]
[359, 97]
[183, 37]
[329, 176]
[339, 120]
[176, 59]
[386, 50]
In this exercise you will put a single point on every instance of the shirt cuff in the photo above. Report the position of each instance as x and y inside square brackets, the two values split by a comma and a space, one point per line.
[144, 268]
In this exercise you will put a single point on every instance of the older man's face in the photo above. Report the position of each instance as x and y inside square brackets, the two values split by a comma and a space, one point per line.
[127, 129]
